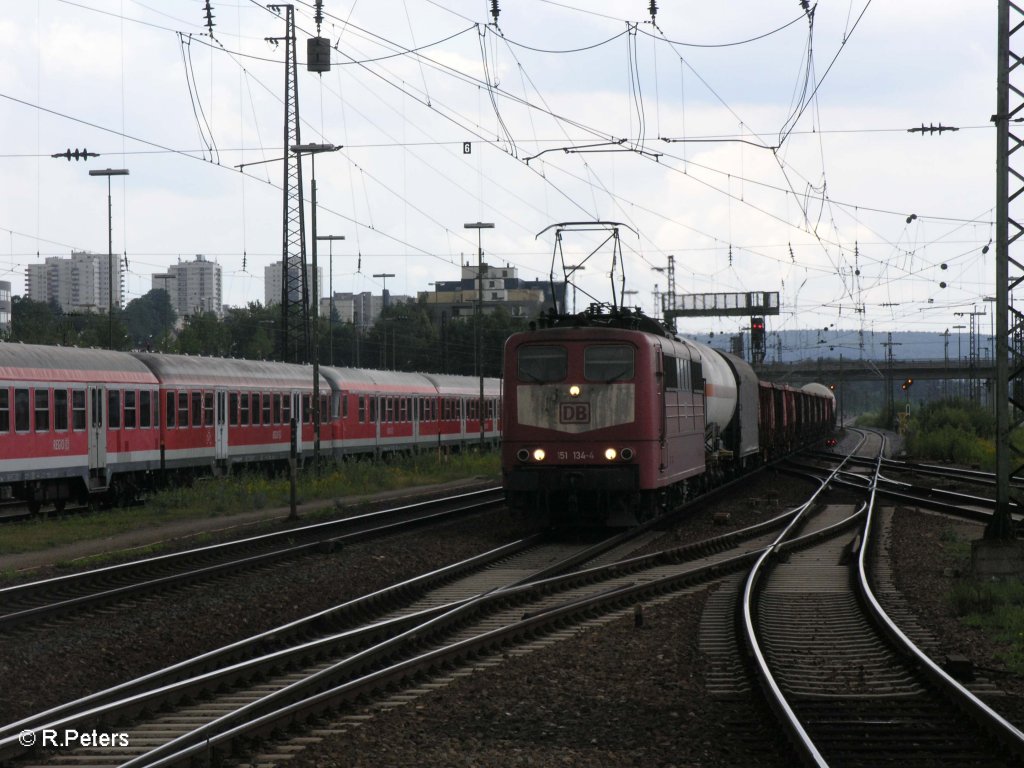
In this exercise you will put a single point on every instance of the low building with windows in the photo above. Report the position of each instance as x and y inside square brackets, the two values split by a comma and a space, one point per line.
[491, 287]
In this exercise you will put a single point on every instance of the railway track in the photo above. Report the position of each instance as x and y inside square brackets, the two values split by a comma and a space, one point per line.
[844, 680]
[387, 652]
[370, 646]
[25, 604]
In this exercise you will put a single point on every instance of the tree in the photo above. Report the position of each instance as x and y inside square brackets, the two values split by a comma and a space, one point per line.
[204, 334]
[150, 319]
[252, 331]
[36, 322]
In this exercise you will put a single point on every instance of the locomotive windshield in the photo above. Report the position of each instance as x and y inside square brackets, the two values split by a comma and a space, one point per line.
[542, 363]
[608, 362]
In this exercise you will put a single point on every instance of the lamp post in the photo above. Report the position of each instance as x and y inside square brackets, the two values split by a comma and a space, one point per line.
[108, 172]
[313, 150]
[570, 270]
[479, 225]
[383, 305]
[330, 289]
[384, 289]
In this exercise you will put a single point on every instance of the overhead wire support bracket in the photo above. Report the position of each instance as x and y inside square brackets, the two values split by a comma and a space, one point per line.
[604, 146]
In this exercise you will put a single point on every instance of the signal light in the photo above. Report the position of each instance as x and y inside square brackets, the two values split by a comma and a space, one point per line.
[907, 383]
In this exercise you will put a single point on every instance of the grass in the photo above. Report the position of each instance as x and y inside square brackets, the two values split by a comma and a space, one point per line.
[996, 608]
[224, 497]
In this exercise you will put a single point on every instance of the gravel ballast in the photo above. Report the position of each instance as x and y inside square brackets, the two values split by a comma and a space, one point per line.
[612, 695]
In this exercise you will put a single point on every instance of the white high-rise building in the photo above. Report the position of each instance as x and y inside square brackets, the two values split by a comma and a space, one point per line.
[194, 286]
[272, 283]
[77, 284]
[5, 306]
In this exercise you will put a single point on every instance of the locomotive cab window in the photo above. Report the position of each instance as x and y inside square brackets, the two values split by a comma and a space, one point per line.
[542, 363]
[608, 363]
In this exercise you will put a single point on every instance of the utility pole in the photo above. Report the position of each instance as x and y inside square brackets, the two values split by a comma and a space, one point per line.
[384, 290]
[479, 226]
[1001, 530]
[890, 404]
[294, 291]
[330, 282]
[110, 250]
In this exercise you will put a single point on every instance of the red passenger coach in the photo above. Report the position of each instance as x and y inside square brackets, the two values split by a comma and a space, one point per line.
[458, 409]
[386, 411]
[217, 412]
[75, 423]
[375, 412]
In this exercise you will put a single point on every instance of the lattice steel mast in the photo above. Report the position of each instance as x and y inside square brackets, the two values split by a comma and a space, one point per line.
[294, 289]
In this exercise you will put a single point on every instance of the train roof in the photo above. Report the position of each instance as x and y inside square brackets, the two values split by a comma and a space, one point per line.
[185, 370]
[450, 384]
[71, 364]
[356, 378]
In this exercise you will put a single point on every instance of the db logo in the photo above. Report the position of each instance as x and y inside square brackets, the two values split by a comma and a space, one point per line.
[574, 413]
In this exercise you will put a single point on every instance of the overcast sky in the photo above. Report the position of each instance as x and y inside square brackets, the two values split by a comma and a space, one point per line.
[790, 166]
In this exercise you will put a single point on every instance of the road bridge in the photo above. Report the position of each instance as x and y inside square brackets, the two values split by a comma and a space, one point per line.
[831, 371]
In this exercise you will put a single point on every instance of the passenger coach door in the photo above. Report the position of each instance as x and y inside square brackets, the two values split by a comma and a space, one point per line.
[97, 429]
[299, 416]
[221, 425]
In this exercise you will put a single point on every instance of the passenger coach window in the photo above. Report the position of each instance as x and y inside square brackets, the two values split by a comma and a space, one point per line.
[169, 409]
[542, 363]
[21, 419]
[113, 409]
[60, 409]
[145, 408]
[608, 362]
[42, 410]
[78, 409]
[5, 410]
[129, 409]
[183, 409]
[197, 409]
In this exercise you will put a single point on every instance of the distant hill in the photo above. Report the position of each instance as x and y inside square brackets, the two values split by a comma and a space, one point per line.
[790, 346]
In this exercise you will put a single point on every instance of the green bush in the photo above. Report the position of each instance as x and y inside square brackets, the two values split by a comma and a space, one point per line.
[953, 431]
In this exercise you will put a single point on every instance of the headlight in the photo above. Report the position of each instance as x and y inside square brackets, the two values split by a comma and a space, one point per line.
[610, 454]
[627, 454]
[522, 454]
[574, 390]
[538, 454]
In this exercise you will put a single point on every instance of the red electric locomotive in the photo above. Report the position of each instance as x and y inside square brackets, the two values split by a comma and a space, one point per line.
[609, 418]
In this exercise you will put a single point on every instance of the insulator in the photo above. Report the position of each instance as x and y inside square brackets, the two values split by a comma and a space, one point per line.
[495, 11]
